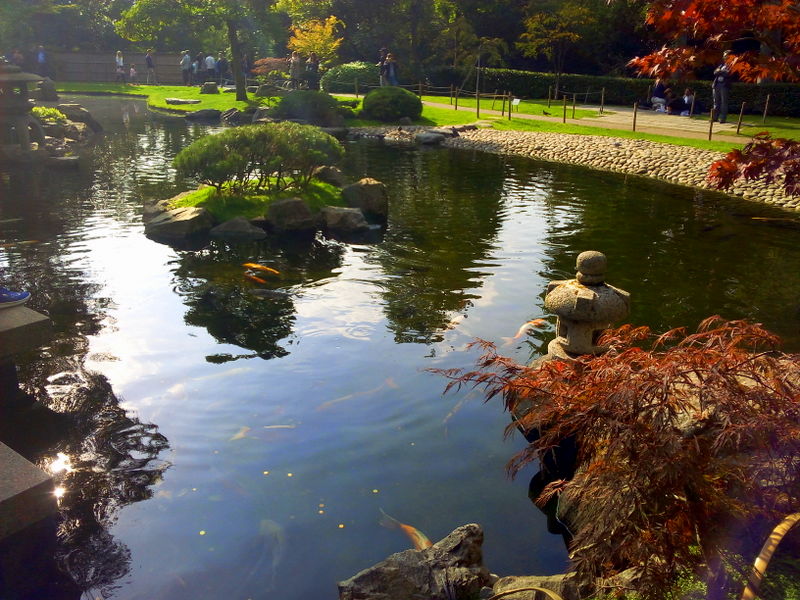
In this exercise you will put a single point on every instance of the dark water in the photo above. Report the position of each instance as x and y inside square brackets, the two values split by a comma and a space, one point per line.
[164, 360]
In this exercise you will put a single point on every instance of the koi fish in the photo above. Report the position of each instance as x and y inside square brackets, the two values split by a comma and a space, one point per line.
[388, 383]
[254, 279]
[259, 267]
[279, 426]
[419, 539]
[22, 243]
[241, 434]
[524, 328]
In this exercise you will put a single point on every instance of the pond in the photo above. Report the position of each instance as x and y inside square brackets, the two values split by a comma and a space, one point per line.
[229, 446]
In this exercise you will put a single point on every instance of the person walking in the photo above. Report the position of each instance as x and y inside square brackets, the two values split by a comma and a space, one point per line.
[211, 67]
[151, 68]
[721, 87]
[222, 68]
[186, 68]
[119, 63]
[381, 64]
[295, 70]
[391, 69]
[312, 71]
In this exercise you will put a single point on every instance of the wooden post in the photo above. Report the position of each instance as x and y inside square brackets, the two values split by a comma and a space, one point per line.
[509, 105]
[574, 102]
[420, 90]
[564, 120]
[586, 98]
[691, 108]
[766, 107]
[635, 110]
[451, 94]
[478, 85]
[602, 100]
[456, 98]
[502, 106]
[355, 81]
[494, 98]
[711, 122]
[648, 97]
[549, 91]
[741, 113]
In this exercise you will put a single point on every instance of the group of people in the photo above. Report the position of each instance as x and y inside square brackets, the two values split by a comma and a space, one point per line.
[663, 99]
[129, 74]
[36, 60]
[304, 71]
[388, 67]
[204, 68]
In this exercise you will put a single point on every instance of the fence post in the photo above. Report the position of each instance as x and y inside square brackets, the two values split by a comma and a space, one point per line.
[766, 107]
[494, 98]
[451, 94]
[602, 100]
[711, 122]
[419, 86]
[549, 91]
[564, 119]
[586, 99]
[574, 102]
[510, 97]
[635, 110]
[502, 106]
[741, 113]
[691, 109]
[456, 98]
[355, 82]
[477, 103]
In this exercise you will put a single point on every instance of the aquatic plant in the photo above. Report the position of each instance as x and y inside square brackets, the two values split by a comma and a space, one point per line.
[688, 445]
[258, 158]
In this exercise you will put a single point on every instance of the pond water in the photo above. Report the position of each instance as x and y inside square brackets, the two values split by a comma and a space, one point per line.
[226, 446]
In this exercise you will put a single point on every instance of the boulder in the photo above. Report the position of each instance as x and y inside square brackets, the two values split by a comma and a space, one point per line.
[339, 133]
[267, 90]
[153, 208]
[178, 224]
[204, 114]
[261, 115]
[75, 112]
[429, 138]
[238, 229]
[328, 174]
[76, 130]
[405, 121]
[369, 195]
[209, 87]
[451, 568]
[565, 585]
[46, 91]
[343, 220]
[181, 101]
[291, 214]
[234, 116]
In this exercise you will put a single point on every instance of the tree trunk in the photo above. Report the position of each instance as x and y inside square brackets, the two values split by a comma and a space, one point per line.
[236, 61]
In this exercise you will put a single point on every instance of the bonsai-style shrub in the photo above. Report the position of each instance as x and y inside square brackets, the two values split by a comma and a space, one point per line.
[47, 114]
[259, 158]
[342, 78]
[390, 104]
[688, 451]
[312, 106]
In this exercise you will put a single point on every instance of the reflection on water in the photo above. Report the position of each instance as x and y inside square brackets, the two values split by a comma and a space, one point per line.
[289, 419]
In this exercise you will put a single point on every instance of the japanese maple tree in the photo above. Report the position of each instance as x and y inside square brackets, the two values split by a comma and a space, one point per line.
[686, 448]
[698, 31]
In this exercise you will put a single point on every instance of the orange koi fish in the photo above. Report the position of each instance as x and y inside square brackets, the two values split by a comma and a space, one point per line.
[254, 279]
[259, 267]
[524, 328]
[419, 539]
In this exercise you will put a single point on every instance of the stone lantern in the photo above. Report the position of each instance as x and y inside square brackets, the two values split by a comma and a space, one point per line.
[17, 125]
[585, 307]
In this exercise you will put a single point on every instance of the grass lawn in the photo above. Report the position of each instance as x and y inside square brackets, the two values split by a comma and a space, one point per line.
[157, 94]
[549, 126]
[225, 206]
[783, 127]
[527, 107]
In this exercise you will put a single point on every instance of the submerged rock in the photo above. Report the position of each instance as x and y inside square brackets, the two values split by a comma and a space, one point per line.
[429, 138]
[369, 195]
[451, 568]
[75, 112]
[344, 220]
[238, 229]
[204, 114]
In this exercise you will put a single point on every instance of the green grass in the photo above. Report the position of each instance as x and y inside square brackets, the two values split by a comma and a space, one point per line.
[227, 206]
[527, 107]
[157, 94]
[549, 126]
[783, 127]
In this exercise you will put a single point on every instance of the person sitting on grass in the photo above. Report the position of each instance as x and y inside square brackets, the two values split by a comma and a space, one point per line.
[658, 98]
[675, 104]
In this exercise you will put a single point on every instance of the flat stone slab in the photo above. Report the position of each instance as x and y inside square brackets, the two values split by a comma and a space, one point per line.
[22, 329]
[26, 493]
[181, 101]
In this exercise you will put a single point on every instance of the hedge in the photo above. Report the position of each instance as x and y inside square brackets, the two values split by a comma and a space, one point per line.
[784, 97]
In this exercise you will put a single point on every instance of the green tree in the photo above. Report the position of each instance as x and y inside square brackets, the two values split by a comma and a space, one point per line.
[146, 19]
[555, 31]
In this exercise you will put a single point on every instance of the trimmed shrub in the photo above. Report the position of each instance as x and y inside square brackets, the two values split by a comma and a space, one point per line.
[784, 97]
[342, 79]
[49, 115]
[390, 104]
[315, 107]
[259, 158]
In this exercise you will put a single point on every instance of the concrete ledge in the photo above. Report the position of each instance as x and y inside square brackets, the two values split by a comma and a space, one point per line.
[22, 329]
[26, 492]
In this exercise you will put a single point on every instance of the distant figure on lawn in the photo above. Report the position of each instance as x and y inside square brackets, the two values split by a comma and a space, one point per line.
[659, 97]
[211, 68]
[721, 87]
[295, 70]
[222, 68]
[312, 71]
[186, 68]
[381, 64]
[132, 74]
[391, 69]
[150, 63]
[119, 67]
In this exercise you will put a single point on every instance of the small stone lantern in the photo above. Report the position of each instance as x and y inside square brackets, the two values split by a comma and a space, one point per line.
[585, 307]
[16, 121]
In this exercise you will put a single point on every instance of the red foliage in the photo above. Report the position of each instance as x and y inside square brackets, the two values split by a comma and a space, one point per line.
[765, 157]
[265, 66]
[677, 444]
[699, 30]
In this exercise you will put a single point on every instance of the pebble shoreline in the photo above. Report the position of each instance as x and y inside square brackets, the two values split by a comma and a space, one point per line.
[682, 165]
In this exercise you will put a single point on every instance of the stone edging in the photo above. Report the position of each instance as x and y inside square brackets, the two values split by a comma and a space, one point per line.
[682, 165]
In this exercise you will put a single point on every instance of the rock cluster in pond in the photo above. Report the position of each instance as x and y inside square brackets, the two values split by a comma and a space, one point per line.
[366, 199]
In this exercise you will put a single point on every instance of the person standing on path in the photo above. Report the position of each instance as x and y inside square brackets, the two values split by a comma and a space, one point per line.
[295, 70]
[186, 68]
[391, 69]
[312, 71]
[119, 63]
[382, 66]
[222, 68]
[151, 68]
[211, 68]
[721, 87]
